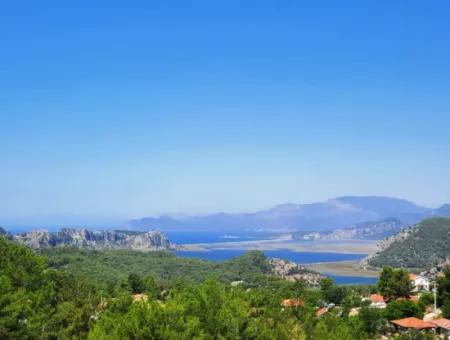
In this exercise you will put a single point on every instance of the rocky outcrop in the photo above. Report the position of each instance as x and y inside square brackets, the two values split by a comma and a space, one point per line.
[376, 230]
[103, 239]
[293, 271]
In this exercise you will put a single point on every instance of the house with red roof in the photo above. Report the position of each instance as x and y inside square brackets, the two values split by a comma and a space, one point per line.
[413, 323]
[377, 301]
[443, 326]
[292, 303]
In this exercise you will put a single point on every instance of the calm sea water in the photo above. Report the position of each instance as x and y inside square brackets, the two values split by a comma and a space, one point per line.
[297, 257]
[211, 237]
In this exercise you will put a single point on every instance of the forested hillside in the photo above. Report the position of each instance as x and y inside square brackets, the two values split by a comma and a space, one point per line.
[110, 267]
[38, 302]
[164, 297]
[422, 246]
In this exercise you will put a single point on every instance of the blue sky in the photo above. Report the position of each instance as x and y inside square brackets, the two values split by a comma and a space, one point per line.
[116, 110]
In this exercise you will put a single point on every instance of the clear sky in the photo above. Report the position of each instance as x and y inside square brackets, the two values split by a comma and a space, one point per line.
[111, 110]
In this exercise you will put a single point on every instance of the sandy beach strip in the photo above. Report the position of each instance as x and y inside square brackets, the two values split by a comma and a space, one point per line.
[349, 247]
[343, 268]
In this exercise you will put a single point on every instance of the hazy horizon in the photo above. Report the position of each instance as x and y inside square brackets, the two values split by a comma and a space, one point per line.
[116, 112]
[52, 221]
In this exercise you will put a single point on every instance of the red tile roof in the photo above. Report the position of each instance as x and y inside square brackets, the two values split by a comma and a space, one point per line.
[292, 303]
[413, 323]
[375, 298]
[412, 277]
[321, 311]
[442, 323]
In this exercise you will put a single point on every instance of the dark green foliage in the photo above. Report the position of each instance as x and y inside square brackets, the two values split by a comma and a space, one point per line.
[331, 292]
[427, 298]
[39, 302]
[446, 309]
[394, 283]
[427, 246]
[109, 268]
[372, 319]
[403, 309]
[136, 283]
[443, 286]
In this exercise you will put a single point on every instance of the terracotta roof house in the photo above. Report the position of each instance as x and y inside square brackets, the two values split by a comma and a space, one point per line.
[443, 327]
[292, 303]
[442, 323]
[377, 300]
[413, 323]
[321, 311]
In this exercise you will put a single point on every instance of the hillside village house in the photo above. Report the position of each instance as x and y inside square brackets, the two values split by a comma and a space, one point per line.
[377, 301]
[419, 282]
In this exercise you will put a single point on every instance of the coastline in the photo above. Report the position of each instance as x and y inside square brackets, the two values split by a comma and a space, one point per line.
[345, 246]
[339, 268]
[342, 268]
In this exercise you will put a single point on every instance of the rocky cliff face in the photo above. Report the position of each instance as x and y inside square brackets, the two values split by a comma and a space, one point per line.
[104, 239]
[293, 271]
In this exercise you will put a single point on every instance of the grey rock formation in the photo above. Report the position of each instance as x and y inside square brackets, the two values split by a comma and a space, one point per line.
[292, 271]
[104, 239]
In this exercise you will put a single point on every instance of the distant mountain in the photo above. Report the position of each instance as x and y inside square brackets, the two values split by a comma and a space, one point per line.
[361, 231]
[443, 211]
[105, 239]
[335, 213]
[422, 246]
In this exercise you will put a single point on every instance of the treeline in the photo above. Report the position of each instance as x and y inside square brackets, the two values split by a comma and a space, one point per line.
[111, 267]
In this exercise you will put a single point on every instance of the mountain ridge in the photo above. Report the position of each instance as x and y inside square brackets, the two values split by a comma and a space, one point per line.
[334, 213]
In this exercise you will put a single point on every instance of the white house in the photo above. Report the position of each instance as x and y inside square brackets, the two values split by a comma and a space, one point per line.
[419, 282]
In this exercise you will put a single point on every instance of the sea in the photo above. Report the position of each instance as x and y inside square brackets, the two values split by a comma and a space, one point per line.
[286, 254]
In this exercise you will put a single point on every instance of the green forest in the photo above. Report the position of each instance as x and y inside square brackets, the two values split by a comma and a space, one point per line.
[73, 294]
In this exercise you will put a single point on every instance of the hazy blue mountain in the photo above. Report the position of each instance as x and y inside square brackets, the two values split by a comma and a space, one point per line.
[443, 211]
[334, 213]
